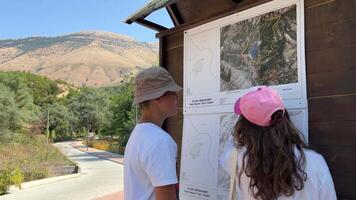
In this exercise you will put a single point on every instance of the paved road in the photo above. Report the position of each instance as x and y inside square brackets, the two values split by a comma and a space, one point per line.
[99, 177]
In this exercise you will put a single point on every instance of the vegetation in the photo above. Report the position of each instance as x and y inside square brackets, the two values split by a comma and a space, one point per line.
[9, 176]
[24, 157]
[29, 103]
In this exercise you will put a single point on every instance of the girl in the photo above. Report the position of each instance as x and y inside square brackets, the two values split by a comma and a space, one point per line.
[273, 162]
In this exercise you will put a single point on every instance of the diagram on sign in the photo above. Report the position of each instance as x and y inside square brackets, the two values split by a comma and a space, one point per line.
[199, 147]
[201, 65]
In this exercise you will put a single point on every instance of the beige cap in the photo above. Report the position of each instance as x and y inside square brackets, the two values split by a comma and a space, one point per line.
[152, 83]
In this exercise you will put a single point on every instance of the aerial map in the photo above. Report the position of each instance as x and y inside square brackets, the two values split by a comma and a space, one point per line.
[227, 122]
[259, 51]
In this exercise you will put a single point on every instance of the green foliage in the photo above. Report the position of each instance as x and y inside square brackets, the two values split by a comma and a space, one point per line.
[4, 181]
[42, 89]
[9, 112]
[22, 95]
[59, 118]
[124, 114]
[29, 111]
[52, 136]
[26, 100]
[10, 176]
[116, 147]
[16, 177]
[90, 109]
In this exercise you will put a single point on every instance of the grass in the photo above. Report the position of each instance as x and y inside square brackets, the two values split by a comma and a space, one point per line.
[29, 154]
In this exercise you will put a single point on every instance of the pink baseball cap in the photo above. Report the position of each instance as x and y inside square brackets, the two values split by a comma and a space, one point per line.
[258, 106]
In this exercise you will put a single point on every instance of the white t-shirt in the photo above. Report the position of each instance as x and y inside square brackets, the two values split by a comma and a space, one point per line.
[149, 161]
[318, 186]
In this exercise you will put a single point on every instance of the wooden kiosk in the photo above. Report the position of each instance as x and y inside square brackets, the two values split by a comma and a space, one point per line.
[330, 71]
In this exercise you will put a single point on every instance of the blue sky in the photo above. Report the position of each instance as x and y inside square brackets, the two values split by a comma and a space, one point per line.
[24, 18]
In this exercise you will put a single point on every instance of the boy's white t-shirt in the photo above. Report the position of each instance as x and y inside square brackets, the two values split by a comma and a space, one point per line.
[149, 161]
[318, 186]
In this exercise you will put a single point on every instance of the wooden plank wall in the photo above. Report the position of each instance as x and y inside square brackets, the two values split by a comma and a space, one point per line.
[173, 61]
[331, 78]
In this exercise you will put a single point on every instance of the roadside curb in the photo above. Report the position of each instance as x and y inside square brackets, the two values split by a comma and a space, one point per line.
[97, 153]
[113, 196]
[36, 183]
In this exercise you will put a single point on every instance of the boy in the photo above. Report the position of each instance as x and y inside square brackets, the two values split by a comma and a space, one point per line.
[150, 154]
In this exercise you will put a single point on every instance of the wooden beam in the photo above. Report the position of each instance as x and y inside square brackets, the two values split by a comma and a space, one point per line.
[174, 14]
[150, 25]
[162, 46]
[242, 6]
[148, 9]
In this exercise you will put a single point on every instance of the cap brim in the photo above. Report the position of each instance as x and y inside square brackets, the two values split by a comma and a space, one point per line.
[175, 88]
[172, 88]
[237, 109]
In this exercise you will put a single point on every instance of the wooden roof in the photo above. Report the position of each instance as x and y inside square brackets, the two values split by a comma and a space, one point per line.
[148, 9]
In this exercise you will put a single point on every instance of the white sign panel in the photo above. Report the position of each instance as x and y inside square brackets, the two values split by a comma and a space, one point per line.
[228, 57]
[223, 60]
[205, 137]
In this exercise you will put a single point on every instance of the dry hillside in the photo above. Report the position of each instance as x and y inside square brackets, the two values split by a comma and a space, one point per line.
[84, 58]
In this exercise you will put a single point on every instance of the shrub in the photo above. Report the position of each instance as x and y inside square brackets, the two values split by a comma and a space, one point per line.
[101, 144]
[117, 148]
[10, 176]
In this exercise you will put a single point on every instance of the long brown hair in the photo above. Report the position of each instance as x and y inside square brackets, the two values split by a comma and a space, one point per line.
[271, 159]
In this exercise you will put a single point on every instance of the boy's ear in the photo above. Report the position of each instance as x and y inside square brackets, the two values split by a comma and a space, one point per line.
[157, 100]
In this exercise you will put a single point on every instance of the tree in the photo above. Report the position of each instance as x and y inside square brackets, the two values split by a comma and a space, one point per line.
[124, 114]
[29, 111]
[43, 90]
[90, 109]
[59, 118]
[17, 83]
[10, 117]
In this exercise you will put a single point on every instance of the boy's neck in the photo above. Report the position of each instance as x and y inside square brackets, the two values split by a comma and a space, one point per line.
[152, 117]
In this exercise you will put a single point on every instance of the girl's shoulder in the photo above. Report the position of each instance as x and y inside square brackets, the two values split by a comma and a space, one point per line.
[315, 162]
[311, 154]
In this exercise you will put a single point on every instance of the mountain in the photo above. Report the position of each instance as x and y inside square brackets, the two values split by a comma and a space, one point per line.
[85, 58]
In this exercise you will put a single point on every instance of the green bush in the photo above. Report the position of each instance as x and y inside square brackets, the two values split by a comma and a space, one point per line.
[16, 177]
[52, 136]
[10, 176]
[117, 148]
